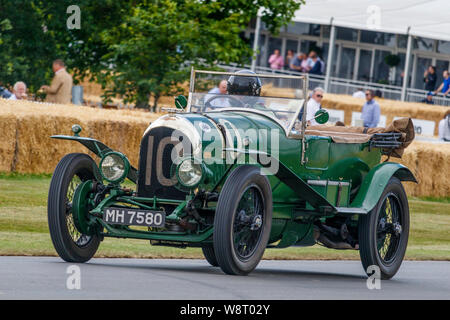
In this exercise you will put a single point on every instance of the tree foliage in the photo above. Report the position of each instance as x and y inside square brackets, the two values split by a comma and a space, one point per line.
[135, 48]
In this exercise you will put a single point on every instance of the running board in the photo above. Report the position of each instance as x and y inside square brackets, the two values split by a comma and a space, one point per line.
[350, 211]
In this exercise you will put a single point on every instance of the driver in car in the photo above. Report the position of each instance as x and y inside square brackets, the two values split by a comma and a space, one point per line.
[219, 91]
[248, 88]
[243, 92]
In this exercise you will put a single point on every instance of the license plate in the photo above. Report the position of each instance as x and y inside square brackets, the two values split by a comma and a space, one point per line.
[135, 217]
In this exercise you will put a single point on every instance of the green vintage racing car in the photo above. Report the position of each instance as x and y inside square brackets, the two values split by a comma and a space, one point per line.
[235, 173]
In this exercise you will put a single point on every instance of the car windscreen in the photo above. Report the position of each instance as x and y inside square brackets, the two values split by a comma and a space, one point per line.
[278, 98]
[282, 109]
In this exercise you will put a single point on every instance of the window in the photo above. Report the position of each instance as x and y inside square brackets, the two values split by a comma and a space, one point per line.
[347, 63]
[421, 66]
[307, 46]
[381, 69]
[402, 41]
[365, 60]
[381, 38]
[400, 69]
[326, 30]
[347, 34]
[304, 28]
[423, 44]
[443, 46]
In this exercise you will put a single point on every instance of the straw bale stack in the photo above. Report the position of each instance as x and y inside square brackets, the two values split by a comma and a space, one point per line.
[26, 146]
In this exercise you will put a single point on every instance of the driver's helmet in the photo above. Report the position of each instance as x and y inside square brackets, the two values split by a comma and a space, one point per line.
[246, 86]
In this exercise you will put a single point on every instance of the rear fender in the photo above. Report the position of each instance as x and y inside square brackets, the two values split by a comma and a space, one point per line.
[376, 180]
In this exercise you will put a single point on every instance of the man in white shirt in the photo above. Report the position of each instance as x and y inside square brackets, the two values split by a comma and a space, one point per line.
[444, 128]
[314, 105]
[19, 91]
[359, 94]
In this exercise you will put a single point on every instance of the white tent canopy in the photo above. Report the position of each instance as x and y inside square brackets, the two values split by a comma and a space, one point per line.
[423, 18]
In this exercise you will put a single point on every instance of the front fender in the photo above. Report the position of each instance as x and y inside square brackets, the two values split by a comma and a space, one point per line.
[99, 149]
[376, 180]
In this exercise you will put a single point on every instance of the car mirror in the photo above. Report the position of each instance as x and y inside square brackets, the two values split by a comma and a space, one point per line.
[180, 102]
[321, 116]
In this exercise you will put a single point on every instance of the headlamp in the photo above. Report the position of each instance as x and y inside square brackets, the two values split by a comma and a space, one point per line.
[189, 173]
[114, 167]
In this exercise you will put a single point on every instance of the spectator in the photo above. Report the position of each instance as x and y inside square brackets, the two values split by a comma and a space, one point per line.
[444, 88]
[19, 91]
[276, 61]
[289, 57]
[444, 127]
[60, 90]
[296, 62]
[359, 94]
[378, 94]
[316, 64]
[370, 111]
[430, 78]
[4, 93]
[428, 99]
[221, 89]
[313, 105]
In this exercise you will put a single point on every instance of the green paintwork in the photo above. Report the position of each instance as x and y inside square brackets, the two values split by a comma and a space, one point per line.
[126, 163]
[98, 148]
[335, 178]
[322, 116]
[80, 204]
[376, 180]
[181, 102]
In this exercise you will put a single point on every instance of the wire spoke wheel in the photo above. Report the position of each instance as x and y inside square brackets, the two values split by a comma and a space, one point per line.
[242, 221]
[389, 228]
[249, 217]
[383, 232]
[78, 238]
[70, 244]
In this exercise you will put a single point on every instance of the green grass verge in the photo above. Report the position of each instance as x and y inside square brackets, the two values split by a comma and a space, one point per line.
[24, 229]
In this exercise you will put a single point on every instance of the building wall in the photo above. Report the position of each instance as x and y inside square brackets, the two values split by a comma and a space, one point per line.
[359, 54]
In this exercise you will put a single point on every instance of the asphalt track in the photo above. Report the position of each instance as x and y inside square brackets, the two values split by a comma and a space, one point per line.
[46, 278]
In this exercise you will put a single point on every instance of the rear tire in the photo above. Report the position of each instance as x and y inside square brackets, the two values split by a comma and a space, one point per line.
[383, 232]
[242, 221]
[210, 256]
[69, 243]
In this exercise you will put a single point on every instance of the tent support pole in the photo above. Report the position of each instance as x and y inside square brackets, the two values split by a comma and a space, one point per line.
[330, 56]
[256, 42]
[407, 63]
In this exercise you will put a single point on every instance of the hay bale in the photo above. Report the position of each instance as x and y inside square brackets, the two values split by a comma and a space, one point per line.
[26, 145]
[429, 163]
[8, 125]
[28, 148]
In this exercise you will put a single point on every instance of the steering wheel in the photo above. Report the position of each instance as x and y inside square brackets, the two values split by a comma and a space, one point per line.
[233, 99]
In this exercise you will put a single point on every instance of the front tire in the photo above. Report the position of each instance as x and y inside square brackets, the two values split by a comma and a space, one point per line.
[242, 221]
[210, 256]
[383, 232]
[69, 243]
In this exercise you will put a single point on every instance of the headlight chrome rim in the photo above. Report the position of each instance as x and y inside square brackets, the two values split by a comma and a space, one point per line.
[125, 166]
[184, 166]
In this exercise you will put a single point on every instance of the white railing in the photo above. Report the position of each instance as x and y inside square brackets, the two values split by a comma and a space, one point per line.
[347, 86]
